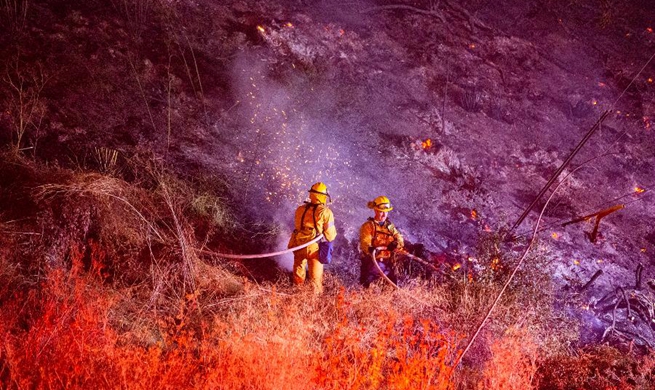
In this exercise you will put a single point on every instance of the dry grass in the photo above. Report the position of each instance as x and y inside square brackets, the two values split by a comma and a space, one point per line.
[129, 304]
[14, 14]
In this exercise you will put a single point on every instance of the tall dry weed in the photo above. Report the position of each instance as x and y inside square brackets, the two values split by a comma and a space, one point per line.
[513, 362]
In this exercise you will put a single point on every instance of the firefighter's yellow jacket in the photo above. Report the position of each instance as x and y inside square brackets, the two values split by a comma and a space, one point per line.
[372, 234]
[310, 220]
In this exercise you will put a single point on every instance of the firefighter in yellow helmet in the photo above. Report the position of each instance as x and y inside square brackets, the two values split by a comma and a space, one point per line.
[380, 234]
[312, 219]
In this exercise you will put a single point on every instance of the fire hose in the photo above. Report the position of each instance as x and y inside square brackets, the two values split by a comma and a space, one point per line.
[380, 269]
[404, 253]
[262, 255]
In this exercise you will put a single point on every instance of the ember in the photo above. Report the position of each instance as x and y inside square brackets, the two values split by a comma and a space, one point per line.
[555, 236]
[474, 214]
[495, 264]
[639, 190]
[427, 144]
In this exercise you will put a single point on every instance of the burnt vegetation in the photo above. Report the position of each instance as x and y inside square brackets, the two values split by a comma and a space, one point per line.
[142, 139]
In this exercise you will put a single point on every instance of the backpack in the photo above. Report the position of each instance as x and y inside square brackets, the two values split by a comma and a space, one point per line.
[304, 234]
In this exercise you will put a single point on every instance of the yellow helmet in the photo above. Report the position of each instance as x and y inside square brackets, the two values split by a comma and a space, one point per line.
[381, 203]
[319, 193]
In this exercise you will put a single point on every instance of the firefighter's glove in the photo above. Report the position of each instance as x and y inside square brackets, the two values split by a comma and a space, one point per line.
[393, 245]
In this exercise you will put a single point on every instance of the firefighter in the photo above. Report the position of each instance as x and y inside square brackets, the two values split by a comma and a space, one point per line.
[380, 234]
[312, 219]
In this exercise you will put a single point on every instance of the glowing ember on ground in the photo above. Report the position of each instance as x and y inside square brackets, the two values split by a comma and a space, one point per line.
[647, 123]
[594, 102]
[261, 29]
[495, 264]
[457, 266]
[639, 190]
[601, 84]
[290, 25]
[576, 262]
[649, 29]
[643, 250]
[426, 144]
[650, 80]
[555, 236]
[474, 214]
[472, 46]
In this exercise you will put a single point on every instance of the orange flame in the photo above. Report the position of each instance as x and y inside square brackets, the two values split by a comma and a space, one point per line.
[261, 29]
[650, 80]
[594, 102]
[426, 144]
[639, 190]
[457, 266]
[555, 236]
[474, 214]
[290, 25]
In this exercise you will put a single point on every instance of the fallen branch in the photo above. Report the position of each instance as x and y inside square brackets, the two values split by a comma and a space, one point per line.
[640, 268]
[627, 302]
[593, 278]
[473, 21]
[401, 7]
[561, 168]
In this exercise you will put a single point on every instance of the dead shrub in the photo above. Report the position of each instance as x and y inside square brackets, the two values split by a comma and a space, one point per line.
[597, 367]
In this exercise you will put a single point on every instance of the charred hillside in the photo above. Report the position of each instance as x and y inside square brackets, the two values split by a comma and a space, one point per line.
[142, 137]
